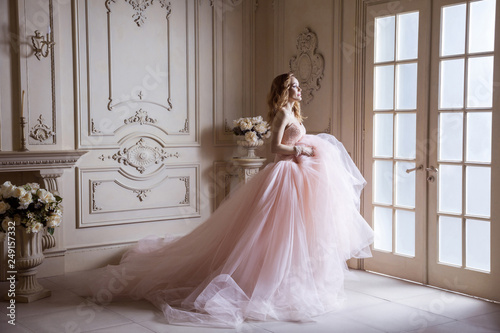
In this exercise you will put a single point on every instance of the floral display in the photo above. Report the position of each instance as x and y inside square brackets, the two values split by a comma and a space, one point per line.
[254, 129]
[29, 206]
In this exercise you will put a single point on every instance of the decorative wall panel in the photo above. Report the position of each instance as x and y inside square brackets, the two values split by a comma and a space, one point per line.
[111, 196]
[234, 63]
[137, 65]
[38, 74]
[137, 100]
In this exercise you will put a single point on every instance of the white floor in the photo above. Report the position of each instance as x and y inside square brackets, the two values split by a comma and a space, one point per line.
[374, 304]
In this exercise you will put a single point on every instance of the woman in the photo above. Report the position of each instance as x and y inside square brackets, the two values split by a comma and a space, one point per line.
[276, 249]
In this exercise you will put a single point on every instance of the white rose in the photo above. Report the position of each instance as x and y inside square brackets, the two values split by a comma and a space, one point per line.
[45, 196]
[34, 187]
[4, 206]
[54, 221]
[37, 227]
[261, 128]
[5, 223]
[267, 135]
[19, 192]
[251, 136]
[246, 124]
[25, 200]
[7, 189]
[257, 120]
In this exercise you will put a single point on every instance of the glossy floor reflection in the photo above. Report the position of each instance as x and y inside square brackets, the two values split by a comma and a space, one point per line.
[374, 304]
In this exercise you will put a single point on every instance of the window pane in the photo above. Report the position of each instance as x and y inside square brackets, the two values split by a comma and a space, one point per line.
[479, 137]
[478, 191]
[450, 188]
[480, 82]
[384, 88]
[383, 132]
[453, 30]
[405, 232]
[406, 86]
[477, 244]
[382, 227]
[384, 38]
[451, 84]
[450, 240]
[405, 184]
[450, 136]
[407, 45]
[482, 26]
[382, 190]
[406, 135]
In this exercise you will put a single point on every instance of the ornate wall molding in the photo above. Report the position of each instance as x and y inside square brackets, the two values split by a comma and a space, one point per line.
[138, 19]
[41, 131]
[140, 6]
[141, 194]
[308, 65]
[141, 155]
[186, 197]
[140, 117]
[92, 194]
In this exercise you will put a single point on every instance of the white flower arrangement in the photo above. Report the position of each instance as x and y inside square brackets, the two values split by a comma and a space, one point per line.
[254, 129]
[29, 206]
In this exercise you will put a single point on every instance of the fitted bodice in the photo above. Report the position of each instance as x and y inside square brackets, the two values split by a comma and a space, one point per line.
[292, 134]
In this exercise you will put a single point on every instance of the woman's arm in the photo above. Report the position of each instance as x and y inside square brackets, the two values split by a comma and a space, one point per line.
[278, 128]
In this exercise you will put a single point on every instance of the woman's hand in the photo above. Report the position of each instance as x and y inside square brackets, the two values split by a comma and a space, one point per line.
[308, 151]
[303, 150]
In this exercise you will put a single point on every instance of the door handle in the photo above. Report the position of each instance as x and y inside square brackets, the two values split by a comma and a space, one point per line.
[420, 167]
[431, 169]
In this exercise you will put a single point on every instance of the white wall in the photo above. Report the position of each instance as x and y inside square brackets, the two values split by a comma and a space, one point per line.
[219, 58]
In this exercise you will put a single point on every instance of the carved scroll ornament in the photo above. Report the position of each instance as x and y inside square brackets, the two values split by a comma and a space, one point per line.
[308, 66]
[41, 131]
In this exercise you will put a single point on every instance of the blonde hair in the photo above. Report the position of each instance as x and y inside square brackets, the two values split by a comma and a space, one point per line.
[278, 97]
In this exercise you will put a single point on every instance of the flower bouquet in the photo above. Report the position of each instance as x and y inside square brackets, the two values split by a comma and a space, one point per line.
[253, 131]
[29, 206]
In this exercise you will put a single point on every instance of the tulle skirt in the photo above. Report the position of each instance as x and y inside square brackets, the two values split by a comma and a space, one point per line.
[276, 249]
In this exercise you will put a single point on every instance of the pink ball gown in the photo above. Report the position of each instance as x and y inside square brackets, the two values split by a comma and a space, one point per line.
[276, 249]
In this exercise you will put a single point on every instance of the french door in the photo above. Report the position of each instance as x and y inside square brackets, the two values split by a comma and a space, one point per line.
[431, 151]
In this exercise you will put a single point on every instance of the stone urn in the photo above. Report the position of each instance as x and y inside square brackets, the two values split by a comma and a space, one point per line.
[250, 147]
[29, 255]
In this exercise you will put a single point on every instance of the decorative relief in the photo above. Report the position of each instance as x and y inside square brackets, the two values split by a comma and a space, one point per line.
[329, 128]
[141, 194]
[93, 129]
[186, 127]
[186, 197]
[308, 66]
[141, 156]
[94, 204]
[140, 6]
[40, 131]
[140, 117]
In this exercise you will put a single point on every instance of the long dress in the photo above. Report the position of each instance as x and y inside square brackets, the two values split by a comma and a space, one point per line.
[276, 249]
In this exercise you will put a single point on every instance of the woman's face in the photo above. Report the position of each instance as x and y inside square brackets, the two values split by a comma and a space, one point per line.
[294, 92]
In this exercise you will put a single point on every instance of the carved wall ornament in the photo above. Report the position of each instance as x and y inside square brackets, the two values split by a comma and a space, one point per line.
[94, 204]
[40, 131]
[140, 6]
[140, 156]
[141, 194]
[308, 66]
[186, 197]
[140, 117]
[186, 127]
[93, 129]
